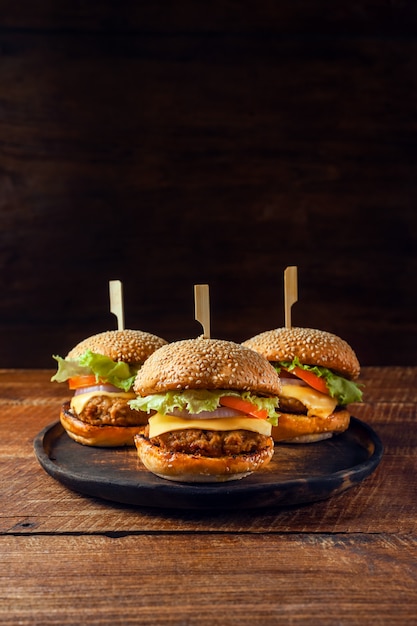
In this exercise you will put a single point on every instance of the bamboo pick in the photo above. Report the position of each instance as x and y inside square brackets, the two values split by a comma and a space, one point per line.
[290, 292]
[202, 308]
[116, 302]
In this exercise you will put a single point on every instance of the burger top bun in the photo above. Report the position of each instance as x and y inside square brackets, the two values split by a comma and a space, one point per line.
[206, 364]
[129, 346]
[311, 346]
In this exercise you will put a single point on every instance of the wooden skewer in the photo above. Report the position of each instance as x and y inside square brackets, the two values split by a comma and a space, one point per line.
[116, 302]
[290, 292]
[202, 308]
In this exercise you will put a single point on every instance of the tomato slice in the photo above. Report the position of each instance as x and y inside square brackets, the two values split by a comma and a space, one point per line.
[314, 381]
[233, 402]
[88, 380]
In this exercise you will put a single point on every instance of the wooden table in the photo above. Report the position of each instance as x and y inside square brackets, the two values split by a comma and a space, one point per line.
[70, 559]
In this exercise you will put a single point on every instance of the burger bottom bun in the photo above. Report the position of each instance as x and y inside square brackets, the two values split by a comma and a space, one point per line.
[181, 467]
[99, 436]
[294, 428]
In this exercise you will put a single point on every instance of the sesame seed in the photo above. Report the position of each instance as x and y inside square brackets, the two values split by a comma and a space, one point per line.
[311, 346]
[130, 346]
[206, 364]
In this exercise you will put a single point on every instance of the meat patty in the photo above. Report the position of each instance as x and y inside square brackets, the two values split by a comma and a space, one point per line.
[211, 443]
[101, 410]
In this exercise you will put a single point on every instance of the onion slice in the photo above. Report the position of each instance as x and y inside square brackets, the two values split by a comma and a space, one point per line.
[97, 389]
[292, 381]
[203, 415]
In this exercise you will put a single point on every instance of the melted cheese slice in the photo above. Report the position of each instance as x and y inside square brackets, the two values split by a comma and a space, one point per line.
[79, 401]
[160, 424]
[317, 404]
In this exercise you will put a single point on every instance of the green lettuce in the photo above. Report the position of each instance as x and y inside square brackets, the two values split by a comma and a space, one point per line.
[345, 391]
[198, 400]
[106, 370]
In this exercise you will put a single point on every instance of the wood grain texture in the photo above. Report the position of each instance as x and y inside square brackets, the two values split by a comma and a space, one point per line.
[68, 559]
[209, 579]
[366, 17]
[31, 501]
[171, 146]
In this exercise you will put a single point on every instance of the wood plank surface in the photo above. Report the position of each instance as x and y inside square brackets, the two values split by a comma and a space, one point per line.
[168, 147]
[32, 501]
[209, 579]
[67, 559]
[362, 16]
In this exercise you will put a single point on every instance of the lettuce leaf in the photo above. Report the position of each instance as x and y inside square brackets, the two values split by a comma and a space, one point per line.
[345, 391]
[106, 370]
[197, 400]
[67, 369]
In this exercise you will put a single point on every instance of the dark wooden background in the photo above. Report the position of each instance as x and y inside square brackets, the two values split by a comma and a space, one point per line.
[173, 143]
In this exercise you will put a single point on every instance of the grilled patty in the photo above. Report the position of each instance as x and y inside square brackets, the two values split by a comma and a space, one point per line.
[211, 443]
[101, 410]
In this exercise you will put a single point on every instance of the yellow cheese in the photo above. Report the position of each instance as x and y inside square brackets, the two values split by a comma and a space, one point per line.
[159, 424]
[317, 404]
[79, 401]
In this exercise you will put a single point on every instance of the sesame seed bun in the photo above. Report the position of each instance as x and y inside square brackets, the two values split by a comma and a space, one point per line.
[202, 363]
[311, 346]
[182, 467]
[206, 364]
[129, 346]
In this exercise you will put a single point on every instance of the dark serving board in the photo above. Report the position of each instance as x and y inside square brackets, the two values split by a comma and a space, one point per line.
[297, 474]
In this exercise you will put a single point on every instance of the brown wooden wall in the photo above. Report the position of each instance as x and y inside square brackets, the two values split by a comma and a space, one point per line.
[173, 143]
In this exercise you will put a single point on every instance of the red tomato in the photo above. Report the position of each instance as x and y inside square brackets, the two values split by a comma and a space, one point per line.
[314, 381]
[233, 402]
[76, 382]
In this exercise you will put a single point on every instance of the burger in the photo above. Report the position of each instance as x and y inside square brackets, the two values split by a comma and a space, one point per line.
[318, 371]
[101, 371]
[213, 404]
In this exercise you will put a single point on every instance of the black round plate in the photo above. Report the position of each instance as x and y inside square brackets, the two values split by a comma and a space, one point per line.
[297, 474]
